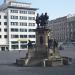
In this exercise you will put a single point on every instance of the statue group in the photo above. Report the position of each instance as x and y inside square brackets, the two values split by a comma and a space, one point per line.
[42, 20]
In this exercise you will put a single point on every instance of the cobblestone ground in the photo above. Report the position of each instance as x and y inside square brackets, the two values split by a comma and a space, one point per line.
[7, 68]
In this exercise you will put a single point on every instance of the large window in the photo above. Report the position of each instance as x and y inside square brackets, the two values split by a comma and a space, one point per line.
[14, 36]
[14, 29]
[5, 36]
[5, 23]
[14, 17]
[23, 30]
[14, 42]
[5, 17]
[5, 30]
[23, 42]
[23, 24]
[0, 16]
[23, 12]
[31, 18]
[14, 23]
[14, 46]
[23, 18]
[33, 42]
[0, 23]
[14, 11]
[23, 46]
[31, 24]
[0, 36]
[23, 36]
[31, 12]
[0, 29]
[31, 30]
[31, 36]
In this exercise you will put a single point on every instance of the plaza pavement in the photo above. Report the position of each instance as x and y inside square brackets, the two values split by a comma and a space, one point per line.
[9, 57]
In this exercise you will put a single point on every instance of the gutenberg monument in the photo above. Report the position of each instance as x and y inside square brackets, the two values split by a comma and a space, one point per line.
[45, 51]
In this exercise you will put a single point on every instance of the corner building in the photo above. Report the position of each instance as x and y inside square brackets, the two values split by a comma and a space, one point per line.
[17, 24]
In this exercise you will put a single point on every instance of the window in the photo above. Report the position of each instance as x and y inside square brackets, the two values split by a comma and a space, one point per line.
[14, 17]
[23, 42]
[6, 48]
[5, 30]
[31, 18]
[0, 23]
[31, 36]
[5, 17]
[14, 11]
[14, 42]
[23, 18]
[0, 16]
[33, 41]
[23, 30]
[5, 23]
[14, 46]
[14, 36]
[14, 23]
[14, 30]
[23, 24]
[31, 12]
[31, 30]
[31, 24]
[0, 29]
[23, 12]
[5, 36]
[23, 46]
[23, 36]
[0, 36]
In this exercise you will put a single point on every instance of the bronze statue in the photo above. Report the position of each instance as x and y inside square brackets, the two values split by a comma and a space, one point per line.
[42, 20]
[46, 17]
[37, 20]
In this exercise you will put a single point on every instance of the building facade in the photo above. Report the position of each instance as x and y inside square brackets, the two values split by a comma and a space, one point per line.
[63, 28]
[17, 24]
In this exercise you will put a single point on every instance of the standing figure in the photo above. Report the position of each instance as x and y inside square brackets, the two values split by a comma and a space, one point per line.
[42, 20]
[37, 20]
[46, 17]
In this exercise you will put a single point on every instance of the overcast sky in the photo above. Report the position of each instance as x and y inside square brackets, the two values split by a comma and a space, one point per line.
[54, 8]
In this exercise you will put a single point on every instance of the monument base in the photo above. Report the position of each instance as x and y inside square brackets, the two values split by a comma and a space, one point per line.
[44, 62]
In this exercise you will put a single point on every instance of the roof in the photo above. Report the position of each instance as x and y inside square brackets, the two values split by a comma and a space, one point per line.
[5, 6]
[22, 8]
[20, 2]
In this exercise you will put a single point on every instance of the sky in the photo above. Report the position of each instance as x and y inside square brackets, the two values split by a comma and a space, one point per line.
[54, 8]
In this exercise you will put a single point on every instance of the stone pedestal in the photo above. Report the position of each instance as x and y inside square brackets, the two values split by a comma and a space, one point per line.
[42, 42]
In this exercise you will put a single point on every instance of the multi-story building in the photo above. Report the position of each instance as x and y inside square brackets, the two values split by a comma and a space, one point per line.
[63, 28]
[71, 28]
[17, 24]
